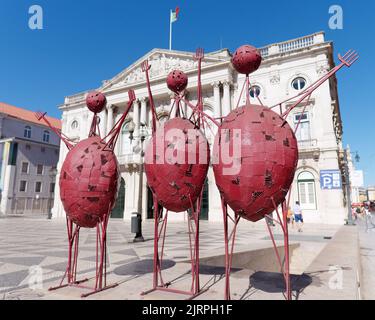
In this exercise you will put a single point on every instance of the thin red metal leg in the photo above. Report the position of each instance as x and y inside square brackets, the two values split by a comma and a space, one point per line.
[229, 241]
[160, 226]
[285, 265]
[286, 248]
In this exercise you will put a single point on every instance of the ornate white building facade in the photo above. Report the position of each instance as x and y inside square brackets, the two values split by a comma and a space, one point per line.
[287, 68]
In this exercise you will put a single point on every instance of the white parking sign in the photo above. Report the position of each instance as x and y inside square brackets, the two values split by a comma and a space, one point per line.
[330, 179]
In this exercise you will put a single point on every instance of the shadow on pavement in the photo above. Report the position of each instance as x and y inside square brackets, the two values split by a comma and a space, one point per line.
[141, 267]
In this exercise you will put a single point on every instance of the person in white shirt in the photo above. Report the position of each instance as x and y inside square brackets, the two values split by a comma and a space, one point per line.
[298, 218]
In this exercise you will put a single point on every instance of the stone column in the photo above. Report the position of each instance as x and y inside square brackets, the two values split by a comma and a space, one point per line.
[172, 105]
[188, 109]
[103, 123]
[58, 209]
[144, 110]
[136, 117]
[9, 180]
[217, 106]
[109, 118]
[226, 98]
[85, 127]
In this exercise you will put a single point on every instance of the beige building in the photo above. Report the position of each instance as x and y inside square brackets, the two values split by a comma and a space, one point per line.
[287, 68]
[29, 154]
[371, 193]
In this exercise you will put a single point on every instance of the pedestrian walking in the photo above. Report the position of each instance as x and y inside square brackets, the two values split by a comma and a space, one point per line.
[298, 218]
[368, 218]
[290, 218]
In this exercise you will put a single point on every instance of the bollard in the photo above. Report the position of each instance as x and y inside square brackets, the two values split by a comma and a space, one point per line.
[136, 227]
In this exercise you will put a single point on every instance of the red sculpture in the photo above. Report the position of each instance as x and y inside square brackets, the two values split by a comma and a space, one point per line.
[246, 59]
[266, 161]
[268, 158]
[89, 182]
[177, 181]
[177, 81]
[96, 101]
[177, 185]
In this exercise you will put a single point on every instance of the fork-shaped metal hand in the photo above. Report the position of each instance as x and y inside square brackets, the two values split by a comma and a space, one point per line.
[349, 58]
[42, 116]
[199, 54]
[131, 95]
[145, 66]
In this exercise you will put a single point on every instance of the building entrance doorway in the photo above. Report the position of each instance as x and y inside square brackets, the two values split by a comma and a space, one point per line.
[118, 210]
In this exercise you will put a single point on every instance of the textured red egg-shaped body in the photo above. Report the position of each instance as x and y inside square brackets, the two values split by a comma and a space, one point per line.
[263, 168]
[246, 59]
[177, 81]
[89, 182]
[96, 101]
[176, 163]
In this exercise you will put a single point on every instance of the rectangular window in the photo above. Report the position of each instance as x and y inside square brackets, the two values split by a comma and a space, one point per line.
[23, 185]
[39, 169]
[46, 136]
[52, 187]
[38, 186]
[25, 167]
[307, 197]
[303, 131]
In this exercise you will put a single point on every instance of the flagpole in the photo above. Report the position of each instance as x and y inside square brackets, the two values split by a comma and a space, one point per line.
[170, 30]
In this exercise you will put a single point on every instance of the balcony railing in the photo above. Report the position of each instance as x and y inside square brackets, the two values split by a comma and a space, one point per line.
[308, 144]
[75, 98]
[291, 45]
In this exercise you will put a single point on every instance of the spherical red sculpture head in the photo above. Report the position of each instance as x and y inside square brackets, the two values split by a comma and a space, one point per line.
[96, 101]
[177, 81]
[176, 163]
[261, 164]
[246, 59]
[89, 182]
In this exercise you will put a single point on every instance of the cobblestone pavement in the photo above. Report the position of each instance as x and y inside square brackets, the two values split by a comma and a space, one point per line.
[367, 257]
[29, 246]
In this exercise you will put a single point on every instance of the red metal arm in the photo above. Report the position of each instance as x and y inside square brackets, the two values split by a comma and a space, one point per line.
[199, 55]
[114, 133]
[42, 116]
[347, 60]
[145, 68]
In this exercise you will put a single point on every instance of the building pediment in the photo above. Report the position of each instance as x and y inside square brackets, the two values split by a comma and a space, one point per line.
[162, 62]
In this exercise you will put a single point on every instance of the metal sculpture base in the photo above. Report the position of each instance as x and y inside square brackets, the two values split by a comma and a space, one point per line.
[101, 259]
[229, 241]
[160, 228]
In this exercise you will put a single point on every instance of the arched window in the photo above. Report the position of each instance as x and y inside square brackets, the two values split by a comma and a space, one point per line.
[163, 118]
[46, 136]
[306, 190]
[299, 83]
[27, 132]
[126, 143]
[205, 202]
[254, 91]
[74, 125]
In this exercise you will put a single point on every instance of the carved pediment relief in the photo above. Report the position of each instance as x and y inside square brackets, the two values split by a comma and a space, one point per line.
[162, 62]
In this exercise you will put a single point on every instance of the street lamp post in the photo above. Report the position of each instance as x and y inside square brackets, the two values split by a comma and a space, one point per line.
[138, 218]
[52, 174]
[350, 221]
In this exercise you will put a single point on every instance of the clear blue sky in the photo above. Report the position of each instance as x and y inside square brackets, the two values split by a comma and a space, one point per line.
[84, 42]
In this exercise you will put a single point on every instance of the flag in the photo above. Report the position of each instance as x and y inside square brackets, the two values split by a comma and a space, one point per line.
[174, 14]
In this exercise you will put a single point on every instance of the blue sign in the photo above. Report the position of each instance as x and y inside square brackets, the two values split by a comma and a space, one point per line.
[330, 179]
